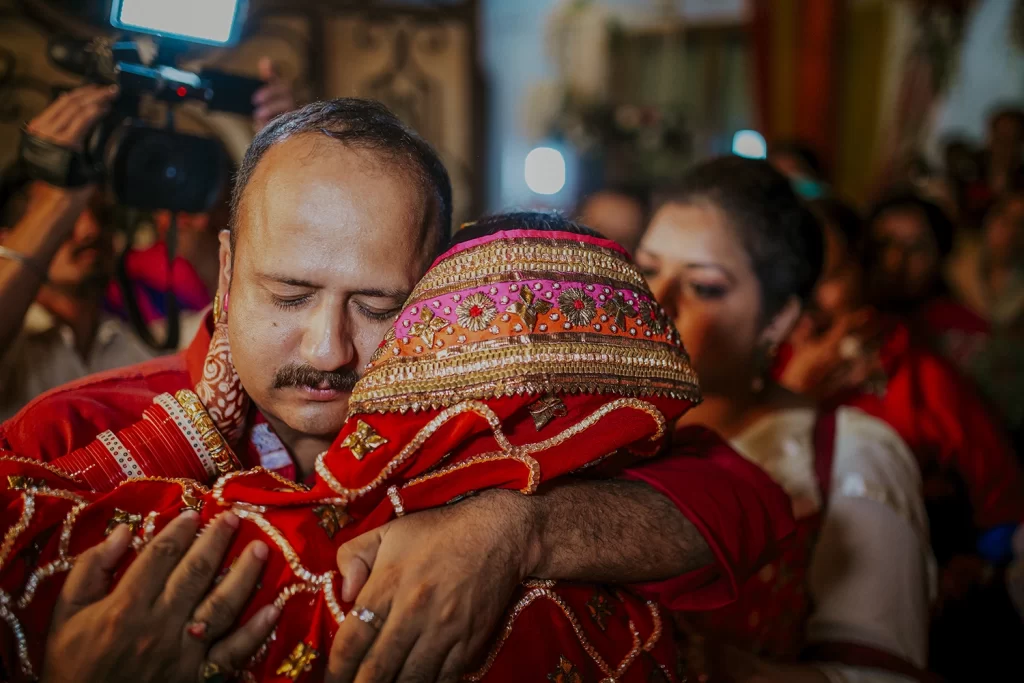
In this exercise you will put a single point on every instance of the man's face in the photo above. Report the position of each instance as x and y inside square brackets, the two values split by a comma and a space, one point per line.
[1004, 232]
[1006, 135]
[330, 242]
[904, 258]
[85, 260]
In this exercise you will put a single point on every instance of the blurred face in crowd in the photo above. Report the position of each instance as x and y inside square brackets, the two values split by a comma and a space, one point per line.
[617, 216]
[1006, 135]
[699, 271]
[86, 259]
[903, 257]
[1004, 232]
[84, 262]
[215, 220]
[330, 241]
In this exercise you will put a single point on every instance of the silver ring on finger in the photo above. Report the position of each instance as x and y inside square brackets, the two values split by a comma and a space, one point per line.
[367, 616]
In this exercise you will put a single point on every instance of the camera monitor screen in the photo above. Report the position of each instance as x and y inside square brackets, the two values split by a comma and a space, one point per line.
[213, 22]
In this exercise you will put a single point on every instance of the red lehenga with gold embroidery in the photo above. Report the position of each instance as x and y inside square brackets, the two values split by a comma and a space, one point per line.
[519, 358]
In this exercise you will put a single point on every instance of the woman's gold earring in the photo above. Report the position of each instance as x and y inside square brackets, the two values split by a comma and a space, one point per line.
[764, 363]
[218, 311]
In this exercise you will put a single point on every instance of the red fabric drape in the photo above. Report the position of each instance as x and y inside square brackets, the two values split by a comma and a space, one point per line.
[812, 58]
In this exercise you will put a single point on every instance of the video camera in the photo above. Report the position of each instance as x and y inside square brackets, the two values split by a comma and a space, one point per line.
[150, 168]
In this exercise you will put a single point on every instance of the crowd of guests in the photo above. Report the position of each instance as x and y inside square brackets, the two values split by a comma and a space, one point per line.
[866, 358]
[894, 328]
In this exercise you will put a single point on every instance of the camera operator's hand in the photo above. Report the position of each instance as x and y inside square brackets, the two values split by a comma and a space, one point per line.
[274, 98]
[51, 214]
[71, 116]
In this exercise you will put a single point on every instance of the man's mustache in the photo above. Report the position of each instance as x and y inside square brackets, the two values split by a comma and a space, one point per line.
[307, 376]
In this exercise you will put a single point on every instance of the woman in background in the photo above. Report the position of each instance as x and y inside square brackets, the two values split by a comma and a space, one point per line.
[732, 256]
[842, 354]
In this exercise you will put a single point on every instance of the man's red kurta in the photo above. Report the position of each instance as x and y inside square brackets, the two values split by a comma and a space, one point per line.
[740, 511]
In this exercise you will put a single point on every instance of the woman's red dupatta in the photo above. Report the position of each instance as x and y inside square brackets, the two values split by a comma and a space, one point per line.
[519, 358]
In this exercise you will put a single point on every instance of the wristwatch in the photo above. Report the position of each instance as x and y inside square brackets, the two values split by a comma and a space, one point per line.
[55, 164]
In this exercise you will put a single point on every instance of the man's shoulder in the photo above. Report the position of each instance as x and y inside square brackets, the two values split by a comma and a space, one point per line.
[69, 417]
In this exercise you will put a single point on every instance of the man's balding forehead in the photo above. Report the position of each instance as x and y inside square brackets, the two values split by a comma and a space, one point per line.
[356, 123]
[432, 238]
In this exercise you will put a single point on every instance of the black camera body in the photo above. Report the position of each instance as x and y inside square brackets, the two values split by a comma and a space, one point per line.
[145, 167]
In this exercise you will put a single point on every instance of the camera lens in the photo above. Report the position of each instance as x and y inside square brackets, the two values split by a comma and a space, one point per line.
[160, 169]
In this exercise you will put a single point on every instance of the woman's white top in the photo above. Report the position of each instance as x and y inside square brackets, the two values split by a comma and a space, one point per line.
[872, 572]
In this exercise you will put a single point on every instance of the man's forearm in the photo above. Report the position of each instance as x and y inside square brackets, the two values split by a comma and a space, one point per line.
[610, 531]
[37, 236]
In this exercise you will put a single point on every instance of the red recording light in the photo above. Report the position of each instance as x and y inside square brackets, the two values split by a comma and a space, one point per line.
[181, 91]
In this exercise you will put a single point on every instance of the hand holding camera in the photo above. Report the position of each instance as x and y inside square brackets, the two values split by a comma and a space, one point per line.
[70, 117]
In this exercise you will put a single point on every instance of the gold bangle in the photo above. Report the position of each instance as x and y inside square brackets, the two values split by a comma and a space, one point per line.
[212, 439]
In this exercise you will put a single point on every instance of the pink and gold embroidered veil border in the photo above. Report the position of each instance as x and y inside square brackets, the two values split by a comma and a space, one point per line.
[523, 312]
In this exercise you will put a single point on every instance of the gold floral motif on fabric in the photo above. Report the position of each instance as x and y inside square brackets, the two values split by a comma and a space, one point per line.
[428, 326]
[133, 521]
[363, 440]
[528, 308]
[331, 518]
[546, 409]
[298, 662]
[618, 310]
[20, 483]
[190, 501]
[600, 608]
[577, 306]
[476, 312]
[389, 339]
[565, 672]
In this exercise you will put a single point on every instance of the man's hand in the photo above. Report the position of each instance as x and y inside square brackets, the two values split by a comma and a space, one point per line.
[274, 98]
[69, 118]
[158, 624]
[66, 122]
[440, 581]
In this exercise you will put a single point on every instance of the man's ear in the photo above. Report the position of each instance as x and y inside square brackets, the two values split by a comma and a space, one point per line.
[224, 278]
[782, 324]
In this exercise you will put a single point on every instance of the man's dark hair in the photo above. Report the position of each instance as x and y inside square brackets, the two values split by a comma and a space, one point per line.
[540, 221]
[803, 152]
[935, 218]
[363, 124]
[779, 233]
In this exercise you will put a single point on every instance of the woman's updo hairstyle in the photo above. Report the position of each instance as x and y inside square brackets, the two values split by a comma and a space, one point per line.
[779, 233]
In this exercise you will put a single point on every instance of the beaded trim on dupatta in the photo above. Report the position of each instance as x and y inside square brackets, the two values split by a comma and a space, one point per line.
[522, 312]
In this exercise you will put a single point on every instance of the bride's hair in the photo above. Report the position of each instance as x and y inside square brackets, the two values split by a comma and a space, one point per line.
[540, 221]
